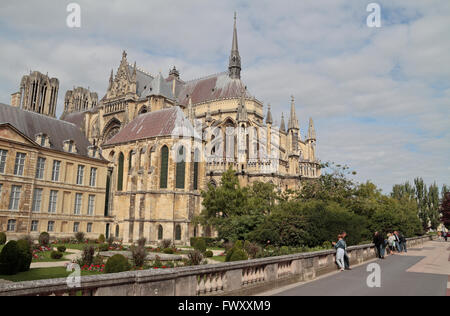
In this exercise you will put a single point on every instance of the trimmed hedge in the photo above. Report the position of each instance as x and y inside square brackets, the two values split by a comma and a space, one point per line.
[56, 255]
[62, 249]
[44, 239]
[26, 256]
[117, 263]
[209, 254]
[10, 259]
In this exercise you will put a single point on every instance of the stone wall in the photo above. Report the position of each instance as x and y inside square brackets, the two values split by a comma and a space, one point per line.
[233, 278]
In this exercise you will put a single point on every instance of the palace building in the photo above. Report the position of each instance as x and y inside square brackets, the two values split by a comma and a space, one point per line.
[164, 139]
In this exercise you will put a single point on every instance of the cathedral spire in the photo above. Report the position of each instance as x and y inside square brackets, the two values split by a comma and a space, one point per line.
[311, 130]
[234, 67]
[111, 79]
[293, 121]
[269, 119]
[282, 124]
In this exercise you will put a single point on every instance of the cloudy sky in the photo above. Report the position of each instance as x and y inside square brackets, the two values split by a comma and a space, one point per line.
[380, 97]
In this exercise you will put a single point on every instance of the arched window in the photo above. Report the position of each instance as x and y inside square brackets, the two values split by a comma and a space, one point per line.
[117, 231]
[196, 164]
[164, 167]
[195, 231]
[120, 173]
[178, 232]
[181, 167]
[160, 232]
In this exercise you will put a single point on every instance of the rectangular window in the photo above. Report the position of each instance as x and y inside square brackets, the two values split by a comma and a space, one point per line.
[3, 154]
[50, 226]
[80, 175]
[34, 226]
[14, 199]
[76, 227]
[78, 201]
[20, 164]
[55, 170]
[52, 201]
[1, 187]
[40, 168]
[12, 225]
[93, 177]
[91, 204]
[37, 199]
[89, 228]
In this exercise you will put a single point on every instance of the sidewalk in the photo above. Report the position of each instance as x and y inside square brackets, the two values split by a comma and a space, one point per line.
[73, 254]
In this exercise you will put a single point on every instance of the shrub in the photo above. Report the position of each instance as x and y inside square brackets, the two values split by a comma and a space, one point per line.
[117, 263]
[101, 239]
[10, 258]
[169, 251]
[166, 243]
[26, 256]
[2, 238]
[98, 260]
[103, 247]
[237, 246]
[141, 242]
[56, 255]
[139, 255]
[239, 255]
[252, 249]
[61, 249]
[209, 254]
[44, 239]
[88, 255]
[79, 236]
[195, 258]
[200, 245]
[29, 240]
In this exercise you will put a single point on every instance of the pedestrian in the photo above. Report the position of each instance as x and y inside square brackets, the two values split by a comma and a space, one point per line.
[346, 257]
[402, 239]
[445, 236]
[391, 243]
[340, 252]
[398, 244]
[378, 240]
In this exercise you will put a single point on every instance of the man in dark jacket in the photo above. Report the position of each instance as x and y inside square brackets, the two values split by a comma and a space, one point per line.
[378, 240]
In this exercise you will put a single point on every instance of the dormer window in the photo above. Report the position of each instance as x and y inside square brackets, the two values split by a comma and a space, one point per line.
[70, 147]
[94, 152]
[43, 140]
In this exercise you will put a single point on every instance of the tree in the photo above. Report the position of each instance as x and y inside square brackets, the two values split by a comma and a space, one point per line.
[433, 205]
[445, 209]
[421, 199]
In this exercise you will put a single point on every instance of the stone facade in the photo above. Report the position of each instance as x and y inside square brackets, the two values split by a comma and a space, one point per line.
[47, 184]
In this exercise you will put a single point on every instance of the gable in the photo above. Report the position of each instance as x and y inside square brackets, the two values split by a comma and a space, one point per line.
[11, 134]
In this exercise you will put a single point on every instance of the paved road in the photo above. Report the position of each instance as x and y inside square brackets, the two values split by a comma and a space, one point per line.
[423, 272]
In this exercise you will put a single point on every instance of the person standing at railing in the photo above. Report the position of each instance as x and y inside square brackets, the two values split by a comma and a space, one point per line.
[340, 247]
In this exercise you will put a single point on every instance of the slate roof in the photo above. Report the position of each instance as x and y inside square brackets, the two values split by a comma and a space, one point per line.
[143, 79]
[159, 87]
[31, 124]
[218, 86]
[166, 122]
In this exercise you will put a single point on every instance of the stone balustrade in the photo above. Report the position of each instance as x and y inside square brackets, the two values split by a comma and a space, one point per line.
[233, 278]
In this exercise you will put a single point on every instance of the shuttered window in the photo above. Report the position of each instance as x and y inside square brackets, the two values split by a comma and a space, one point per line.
[181, 168]
[164, 167]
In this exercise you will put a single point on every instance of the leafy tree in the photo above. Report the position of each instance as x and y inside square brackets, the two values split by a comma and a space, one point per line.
[445, 208]
[433, 205]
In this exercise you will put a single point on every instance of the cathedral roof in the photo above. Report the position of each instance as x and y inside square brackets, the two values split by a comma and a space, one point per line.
[159, 87]
[214, 87]
[166, 122]
[31, 124]
[143, 79]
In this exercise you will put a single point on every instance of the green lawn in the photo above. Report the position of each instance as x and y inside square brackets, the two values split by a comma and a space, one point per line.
[45, 257]
[219, 258]
[42, 274]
